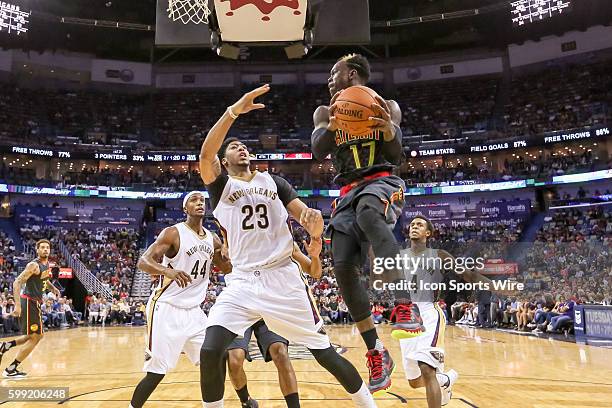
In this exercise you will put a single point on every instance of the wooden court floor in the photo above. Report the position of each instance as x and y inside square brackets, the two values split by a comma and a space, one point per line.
[101, 367]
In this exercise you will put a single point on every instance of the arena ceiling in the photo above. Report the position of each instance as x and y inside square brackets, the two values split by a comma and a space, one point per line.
[488, 31]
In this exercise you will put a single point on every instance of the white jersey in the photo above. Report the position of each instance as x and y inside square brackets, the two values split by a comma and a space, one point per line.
[254, 220]
[194, 257]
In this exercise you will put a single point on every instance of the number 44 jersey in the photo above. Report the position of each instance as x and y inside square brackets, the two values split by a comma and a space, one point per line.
[194, 257]
[253, 218]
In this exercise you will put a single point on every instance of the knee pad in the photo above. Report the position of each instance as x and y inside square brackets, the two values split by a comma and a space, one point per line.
[153, 378]
[355, 295]
[210, 356]
[324, 357]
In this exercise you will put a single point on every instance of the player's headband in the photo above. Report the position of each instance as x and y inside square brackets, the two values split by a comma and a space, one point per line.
[188, 196]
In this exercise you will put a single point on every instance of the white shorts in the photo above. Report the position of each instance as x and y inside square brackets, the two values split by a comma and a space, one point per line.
[428, 347]
[280, 296]
[172, 330]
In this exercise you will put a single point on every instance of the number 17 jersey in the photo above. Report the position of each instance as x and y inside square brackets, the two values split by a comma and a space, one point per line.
[194, 257]
[357, 156]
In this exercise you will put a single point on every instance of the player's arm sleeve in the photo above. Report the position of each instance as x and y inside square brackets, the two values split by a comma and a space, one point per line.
[322, 140]
[393, 150]
[215, 189]
[286, 192]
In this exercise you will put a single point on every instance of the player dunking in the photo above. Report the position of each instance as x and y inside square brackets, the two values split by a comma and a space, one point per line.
[182, 256]
[36, 279]
[253, 208]
[370, 202]
[272, 346]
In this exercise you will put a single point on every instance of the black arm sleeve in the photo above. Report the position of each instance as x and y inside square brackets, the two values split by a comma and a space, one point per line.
[393, 151]
[286, 192]
[323, 143]
[215, 189]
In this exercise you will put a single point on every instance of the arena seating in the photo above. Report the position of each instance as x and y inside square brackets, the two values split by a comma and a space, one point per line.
[553, 98]
[520, 167]
[109, 254]
[447, 107]
[561, 97]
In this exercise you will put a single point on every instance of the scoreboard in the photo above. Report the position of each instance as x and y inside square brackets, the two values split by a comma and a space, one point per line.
[13, 19]
[529, 11]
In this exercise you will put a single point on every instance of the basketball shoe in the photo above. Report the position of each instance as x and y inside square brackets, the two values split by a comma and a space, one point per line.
[408, 321]
[251, 403]
[379, 364]
[447, 380]
[14, 374]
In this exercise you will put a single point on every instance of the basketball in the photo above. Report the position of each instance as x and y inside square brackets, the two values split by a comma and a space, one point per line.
[353, 109]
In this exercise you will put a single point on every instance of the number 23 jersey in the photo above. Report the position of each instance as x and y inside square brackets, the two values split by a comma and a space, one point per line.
[253, 217]
[194, 257]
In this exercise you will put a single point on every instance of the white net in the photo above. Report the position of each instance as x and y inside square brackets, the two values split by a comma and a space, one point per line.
[189, 11]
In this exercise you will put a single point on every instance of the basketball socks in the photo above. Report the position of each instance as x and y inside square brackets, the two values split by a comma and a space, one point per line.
[243, 394]
[370, 338]
[443, 380]
[292, 400]
[216, 404]
[447, 379]
[363, 398]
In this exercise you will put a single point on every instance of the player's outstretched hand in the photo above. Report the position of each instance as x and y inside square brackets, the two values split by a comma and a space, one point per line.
[180, 277]
[382, 121]
[314, 247]
[247, 102]
[312, 221]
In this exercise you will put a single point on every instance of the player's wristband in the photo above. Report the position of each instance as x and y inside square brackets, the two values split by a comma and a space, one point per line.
[231, 113]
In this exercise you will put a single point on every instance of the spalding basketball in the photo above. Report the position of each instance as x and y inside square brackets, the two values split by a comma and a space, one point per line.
[353, 108]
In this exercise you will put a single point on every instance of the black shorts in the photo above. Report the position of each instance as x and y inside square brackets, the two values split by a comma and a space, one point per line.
[265, 338]
[389, 189]
[31, 317]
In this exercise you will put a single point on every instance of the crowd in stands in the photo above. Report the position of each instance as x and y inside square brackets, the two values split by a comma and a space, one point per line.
[35, 113]
[447, 107]
[7, 261]
[568, 264]
[562, 97]
[120, 310]
[154, 178]
[554, 98]
[493, 242]
[519, 167]
[109, 254]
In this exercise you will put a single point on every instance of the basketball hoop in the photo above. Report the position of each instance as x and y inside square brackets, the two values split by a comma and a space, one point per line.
[189, 11]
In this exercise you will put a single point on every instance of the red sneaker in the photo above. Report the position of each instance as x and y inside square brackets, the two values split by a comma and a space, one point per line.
[380, 376]
[408, 321]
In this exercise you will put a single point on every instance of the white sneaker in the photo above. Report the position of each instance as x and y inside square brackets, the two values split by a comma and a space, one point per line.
[14, 374]
[447, 391]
